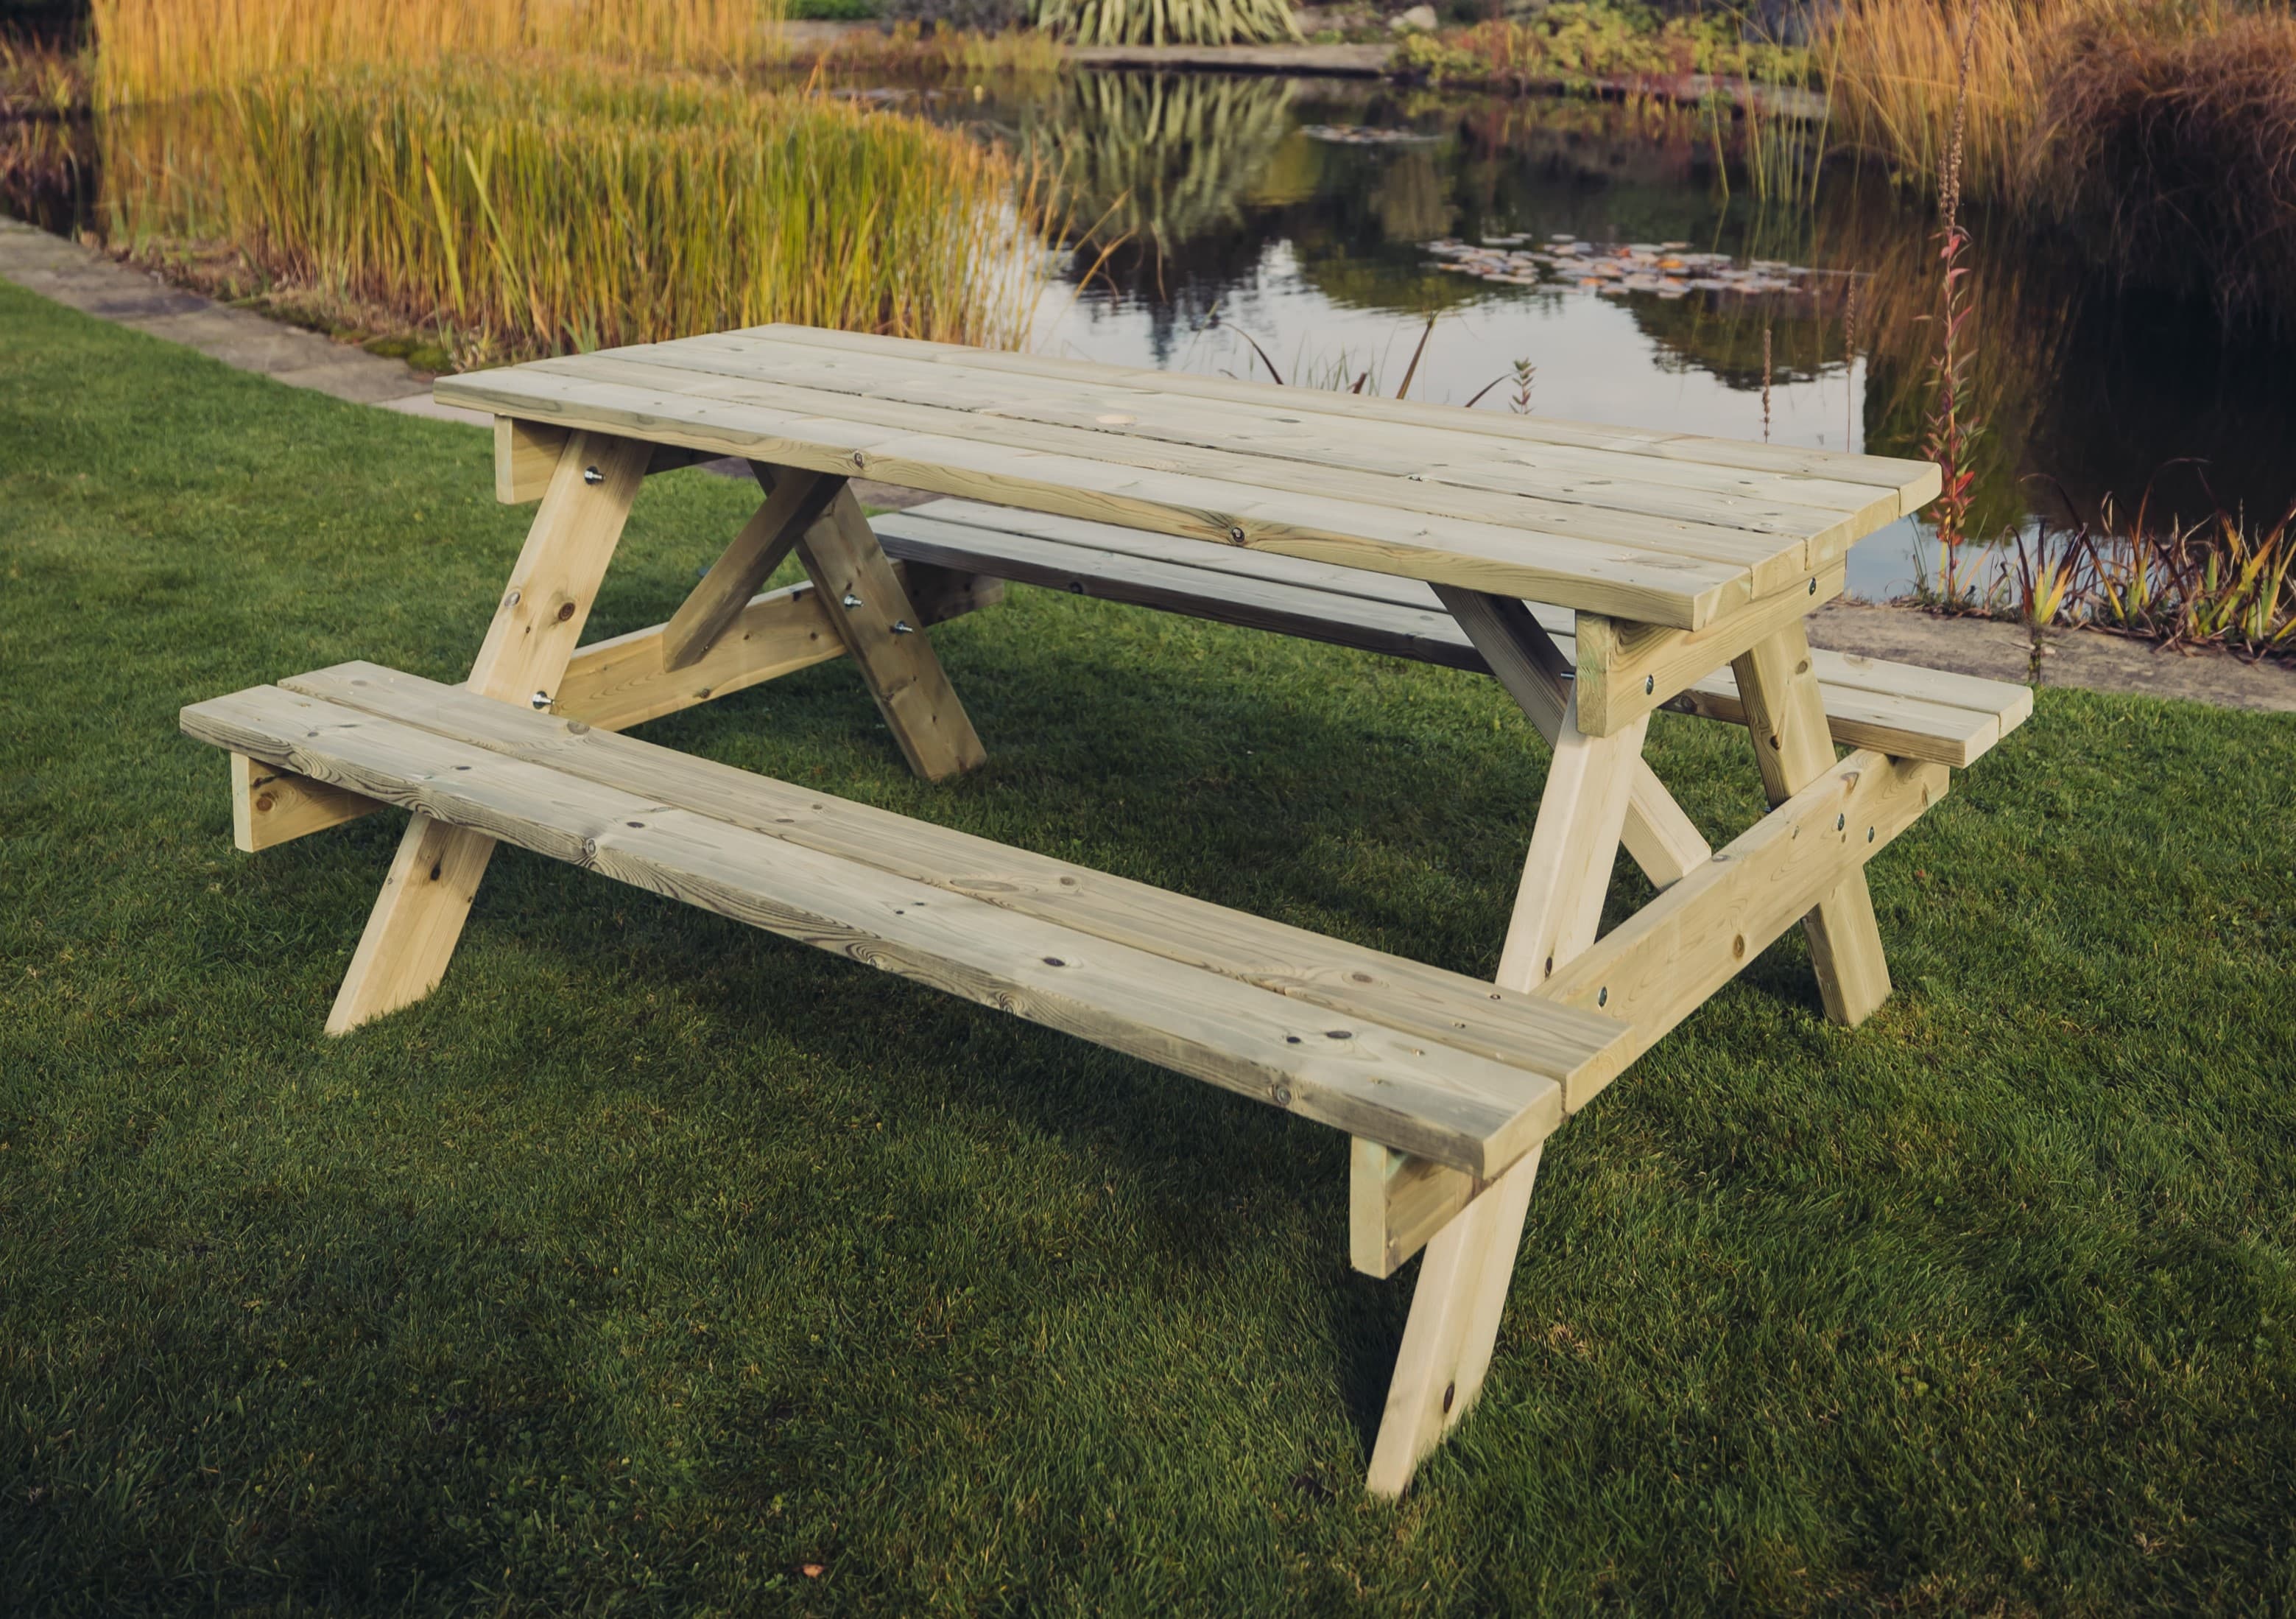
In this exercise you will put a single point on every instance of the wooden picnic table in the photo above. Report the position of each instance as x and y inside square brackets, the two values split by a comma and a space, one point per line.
[1598, 573]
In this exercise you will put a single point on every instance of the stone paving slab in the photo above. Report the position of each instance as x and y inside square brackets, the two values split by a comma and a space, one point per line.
[86, 280]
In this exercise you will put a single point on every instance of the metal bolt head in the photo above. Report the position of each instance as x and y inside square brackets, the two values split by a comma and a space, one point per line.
[902, 627]
[591, 475]
[541, 700]
[1869, 834]
[850, 601]
[1236, 535]
[1602, 996]
[1650, 685]
[1813, 587]
[1840, 821]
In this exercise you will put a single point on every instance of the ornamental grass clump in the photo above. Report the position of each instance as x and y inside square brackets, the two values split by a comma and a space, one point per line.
[159, 50]
[2177, 148]
[1169, 21]
[518, 213]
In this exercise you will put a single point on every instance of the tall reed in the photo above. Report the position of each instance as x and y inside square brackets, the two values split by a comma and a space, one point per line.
[518, 212]
[158, 50]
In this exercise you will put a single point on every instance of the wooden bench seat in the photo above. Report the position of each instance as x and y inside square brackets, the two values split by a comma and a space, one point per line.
[1899, 709]
[1424, 1061]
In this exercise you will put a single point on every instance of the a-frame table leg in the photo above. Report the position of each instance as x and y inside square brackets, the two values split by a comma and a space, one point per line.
[1463, 1277]
[886, 642]
[1793, 746]
[426, 898]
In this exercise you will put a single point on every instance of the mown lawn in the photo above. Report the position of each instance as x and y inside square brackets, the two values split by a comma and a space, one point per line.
[657, 1264]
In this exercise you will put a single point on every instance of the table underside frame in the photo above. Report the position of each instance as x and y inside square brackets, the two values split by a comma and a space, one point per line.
[1714, 911]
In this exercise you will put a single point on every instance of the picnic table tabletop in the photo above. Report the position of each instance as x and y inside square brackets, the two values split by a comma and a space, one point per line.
[1663, 528]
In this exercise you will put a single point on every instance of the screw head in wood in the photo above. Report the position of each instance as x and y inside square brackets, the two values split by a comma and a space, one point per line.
[1869, 834]
[1813, 587]
[1602, 996]
[1840, 821]
[902, 627]
[1451, 1393]
[1236, 535]
[850, 601]
[541, 700]
[591, 475]
[1650, 685]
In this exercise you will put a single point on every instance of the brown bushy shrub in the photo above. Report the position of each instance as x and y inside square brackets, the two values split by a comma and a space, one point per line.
[2173, 151]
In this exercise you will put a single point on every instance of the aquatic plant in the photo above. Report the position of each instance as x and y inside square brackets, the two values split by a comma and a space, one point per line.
[39, 81]
[2219, 580]
[1169, 22]
[1953, 424]
[522, 211]
[157, 50]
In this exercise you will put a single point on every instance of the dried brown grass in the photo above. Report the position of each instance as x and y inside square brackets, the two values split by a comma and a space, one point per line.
[2178, 149]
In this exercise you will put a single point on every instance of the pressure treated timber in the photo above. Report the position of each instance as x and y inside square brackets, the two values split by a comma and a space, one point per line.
[526, 453]
[1475, 1114]
[410, 935]
[1786, 722]
[1776, 547]
[617, 682]
[621, 682]
[1882, 472]
[792, 504]
[1433, 1005]
[1820, 509]
[883, 633]
[1661, 964]
[1626, 672]
[1452, 1327]
[1901, 709]
[1649, 586]
[270, 807]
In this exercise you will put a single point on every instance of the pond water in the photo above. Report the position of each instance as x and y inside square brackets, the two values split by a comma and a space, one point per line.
[1312, 229]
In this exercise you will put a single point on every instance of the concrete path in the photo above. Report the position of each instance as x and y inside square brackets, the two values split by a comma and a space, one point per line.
[84, 279]
[89, 281]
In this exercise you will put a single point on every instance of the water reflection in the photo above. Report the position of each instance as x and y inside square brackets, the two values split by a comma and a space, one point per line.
[1316, 248]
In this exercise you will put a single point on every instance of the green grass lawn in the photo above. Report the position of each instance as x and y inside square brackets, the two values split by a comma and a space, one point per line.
[654, 1264]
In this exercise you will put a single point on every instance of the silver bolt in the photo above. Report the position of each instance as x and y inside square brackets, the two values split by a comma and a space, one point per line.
[1236, 535]
[591, 475]
[1813, 587]
[1869, 834]
[1602, 996]
[1650, 685]
[540, 700]
[851, 600]
[1840, 821]
[902, 627]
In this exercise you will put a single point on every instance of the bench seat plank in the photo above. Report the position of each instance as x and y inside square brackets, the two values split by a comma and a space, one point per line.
[1899, 709]
[1445, 1007]
[1440, 1101]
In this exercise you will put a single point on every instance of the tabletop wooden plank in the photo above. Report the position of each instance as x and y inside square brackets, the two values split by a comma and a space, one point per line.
[1827, 514]
[1777, 560]
[1648, 586]
[1881, 471]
